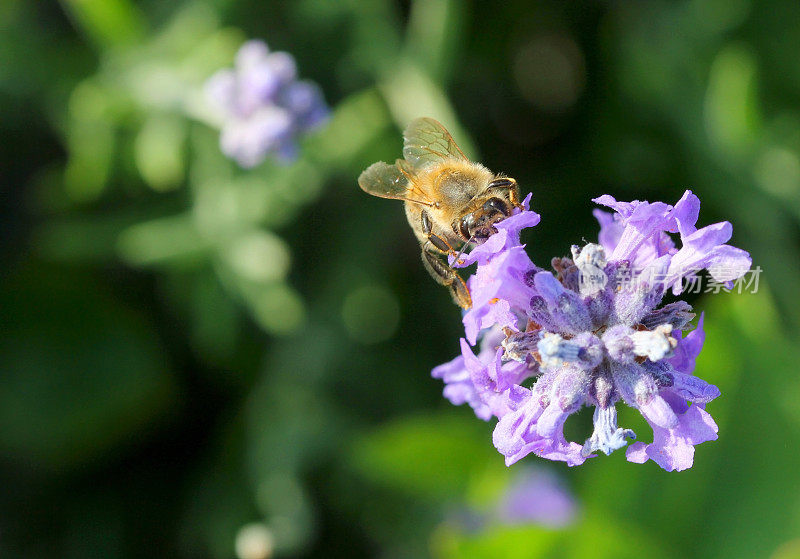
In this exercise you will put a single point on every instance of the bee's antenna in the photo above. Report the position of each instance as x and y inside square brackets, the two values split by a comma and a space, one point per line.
[460, 252]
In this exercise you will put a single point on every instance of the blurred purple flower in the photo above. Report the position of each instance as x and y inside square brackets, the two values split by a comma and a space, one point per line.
[265, 109]
[592, 333]
[536, 496]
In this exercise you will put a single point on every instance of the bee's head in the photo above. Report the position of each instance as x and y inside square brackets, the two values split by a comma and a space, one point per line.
[478, 225]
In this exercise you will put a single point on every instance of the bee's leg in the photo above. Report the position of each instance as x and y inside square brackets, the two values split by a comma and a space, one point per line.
[510, 185]
[439, 270]
[435, 240]
[513, 194]
[445, 275]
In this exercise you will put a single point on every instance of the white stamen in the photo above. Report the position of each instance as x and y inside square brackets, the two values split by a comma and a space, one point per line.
[654, 344]
[555, 350]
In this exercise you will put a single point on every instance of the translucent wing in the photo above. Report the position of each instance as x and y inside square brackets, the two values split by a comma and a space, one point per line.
[426, 141]
[384, 180]
[406, 168]
[392, 181]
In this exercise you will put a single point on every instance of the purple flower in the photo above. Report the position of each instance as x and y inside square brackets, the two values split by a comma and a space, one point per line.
[490, 387]
[501, 282]
[638, 232]
[593, 332]
[264, 108]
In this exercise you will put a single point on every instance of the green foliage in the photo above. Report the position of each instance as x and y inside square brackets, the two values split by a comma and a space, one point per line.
[82, 372]
[433, 456]
[595, 537]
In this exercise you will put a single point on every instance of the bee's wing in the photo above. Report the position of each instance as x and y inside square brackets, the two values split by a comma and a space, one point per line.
[426, 141]
[392, 181]
[384, 180]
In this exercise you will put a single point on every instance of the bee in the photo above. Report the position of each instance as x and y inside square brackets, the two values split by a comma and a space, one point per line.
[450, 201]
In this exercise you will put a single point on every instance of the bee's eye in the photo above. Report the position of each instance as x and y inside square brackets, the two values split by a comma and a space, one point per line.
[493, 205]
[464, 226]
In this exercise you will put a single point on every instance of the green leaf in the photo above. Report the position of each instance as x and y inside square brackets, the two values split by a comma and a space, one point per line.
[432, 456]
[501, 542]
[108, 22]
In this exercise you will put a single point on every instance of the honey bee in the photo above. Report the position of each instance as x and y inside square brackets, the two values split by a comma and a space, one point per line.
[451, 202]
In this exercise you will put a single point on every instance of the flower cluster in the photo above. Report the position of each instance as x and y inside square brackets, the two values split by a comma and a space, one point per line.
[264, 107]
[576, 338]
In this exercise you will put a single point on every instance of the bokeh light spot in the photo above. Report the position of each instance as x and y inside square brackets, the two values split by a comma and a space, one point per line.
[254, 541]
[159, 152]
[277, 308]
[550, 72]
[259, 256]
[370, 314]
[778, 171]
[732, 118]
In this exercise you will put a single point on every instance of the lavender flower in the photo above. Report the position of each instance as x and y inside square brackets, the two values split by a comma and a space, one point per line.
[593, 333]
[490, 387]
[500, 282]
[264, 107]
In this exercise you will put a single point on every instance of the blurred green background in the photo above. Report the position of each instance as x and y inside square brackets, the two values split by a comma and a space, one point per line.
[189, 349]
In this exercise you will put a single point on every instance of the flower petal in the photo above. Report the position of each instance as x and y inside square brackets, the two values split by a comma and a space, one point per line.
[727, 263]
[694, 389]
[673, 449]
[689, 348]
[685, 213]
